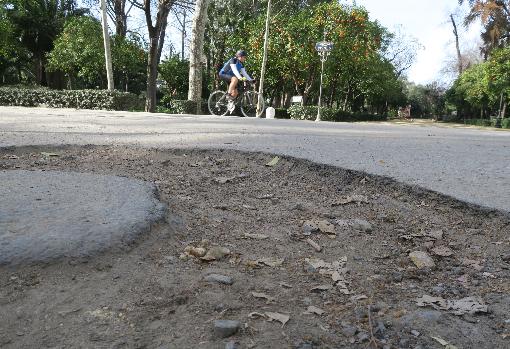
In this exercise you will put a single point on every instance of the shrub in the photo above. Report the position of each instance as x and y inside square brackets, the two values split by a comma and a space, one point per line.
[179, 106]
[281, 113]
[478, 122]
[505, 123]
[369, 117]
[298, 112]
[80, 99]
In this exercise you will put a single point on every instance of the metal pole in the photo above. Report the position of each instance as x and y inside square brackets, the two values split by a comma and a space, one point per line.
[107, 51]
[320, 93]
[264, 60]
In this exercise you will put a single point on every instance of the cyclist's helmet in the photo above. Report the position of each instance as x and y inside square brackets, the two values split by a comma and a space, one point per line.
[241, 53]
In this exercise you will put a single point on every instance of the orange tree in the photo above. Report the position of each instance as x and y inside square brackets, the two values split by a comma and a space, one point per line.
[355, 72]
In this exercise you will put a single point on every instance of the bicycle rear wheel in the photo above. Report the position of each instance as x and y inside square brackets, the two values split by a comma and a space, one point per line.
[218, 103]
[249, 104]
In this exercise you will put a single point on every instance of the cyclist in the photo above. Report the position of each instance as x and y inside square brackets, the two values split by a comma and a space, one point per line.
[233, 71]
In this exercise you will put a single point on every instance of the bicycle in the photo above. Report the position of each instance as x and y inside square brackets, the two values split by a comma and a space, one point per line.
[247, 100]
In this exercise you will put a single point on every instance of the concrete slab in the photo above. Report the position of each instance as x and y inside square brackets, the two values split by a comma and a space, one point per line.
[49, 215]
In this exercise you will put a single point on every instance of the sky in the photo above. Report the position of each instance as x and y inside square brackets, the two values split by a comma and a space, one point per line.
[428, 21]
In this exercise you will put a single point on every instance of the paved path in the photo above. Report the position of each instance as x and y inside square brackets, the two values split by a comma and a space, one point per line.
[467, 163]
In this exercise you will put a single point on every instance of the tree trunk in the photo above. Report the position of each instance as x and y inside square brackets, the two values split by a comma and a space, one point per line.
[161, 43]
[196, 52]
[156, 39]
[344, 108]
[40, 71]
[264, 58]
[119, 8]
[152, 76]
[183, 34]
[107, 51]
[459, 57]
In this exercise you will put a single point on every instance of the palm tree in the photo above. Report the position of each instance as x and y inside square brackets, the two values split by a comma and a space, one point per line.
[495, 17]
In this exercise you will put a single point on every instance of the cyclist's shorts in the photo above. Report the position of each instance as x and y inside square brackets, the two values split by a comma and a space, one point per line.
[225, 77]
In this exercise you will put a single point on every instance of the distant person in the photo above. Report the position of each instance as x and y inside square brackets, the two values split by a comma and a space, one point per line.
[233, 71]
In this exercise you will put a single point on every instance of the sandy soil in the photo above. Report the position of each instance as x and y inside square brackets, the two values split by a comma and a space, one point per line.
[156, 293]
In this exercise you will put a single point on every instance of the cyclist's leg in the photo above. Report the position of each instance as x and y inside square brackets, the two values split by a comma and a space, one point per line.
[229, 80]
[232, 89]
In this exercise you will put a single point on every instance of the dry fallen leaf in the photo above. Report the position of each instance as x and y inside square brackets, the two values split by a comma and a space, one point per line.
[358, 297]
[440, 340]
[436, 234]
[255, 236]
[342, 287]
[315, 245]
[477, 265]
[358, 199]
[48, 154]
[223, 180]
[468, 305]
[321, 288]
[271, 262]
[268, 299]
[273, 161]
[442, 251]
[283, 318]
[255, 315]
[444, 343]
[319, 225]
[195, 251]
[314, 310]
[216, 252]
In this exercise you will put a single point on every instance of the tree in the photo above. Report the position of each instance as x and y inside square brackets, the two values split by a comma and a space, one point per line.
[498, 71]
[182, 17]
[117, 12]
[495, 16]
[473, 84]
[156, 30]
[129, 63]
[460, 65]
[196, 53]
[14, 58]
[400, 49]
[175, 73]
[79, 53]
[37, 23]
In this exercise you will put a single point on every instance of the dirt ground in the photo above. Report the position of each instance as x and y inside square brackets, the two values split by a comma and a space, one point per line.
[360, 291]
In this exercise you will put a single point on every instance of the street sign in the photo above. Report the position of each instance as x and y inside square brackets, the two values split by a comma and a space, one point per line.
[324, 46]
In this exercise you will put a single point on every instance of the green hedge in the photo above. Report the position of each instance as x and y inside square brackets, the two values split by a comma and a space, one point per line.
[178, 106]
[505, 123]
[298, 112]
[281, 113]
[479, 122]
[80, 99]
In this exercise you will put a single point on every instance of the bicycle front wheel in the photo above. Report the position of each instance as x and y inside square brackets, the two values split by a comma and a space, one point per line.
[249, 104]
[218, 103]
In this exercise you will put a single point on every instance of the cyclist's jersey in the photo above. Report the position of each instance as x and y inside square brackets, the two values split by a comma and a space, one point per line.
[234, 67]
[227, 68]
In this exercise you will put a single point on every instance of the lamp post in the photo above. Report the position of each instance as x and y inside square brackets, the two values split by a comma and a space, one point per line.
[324, 49]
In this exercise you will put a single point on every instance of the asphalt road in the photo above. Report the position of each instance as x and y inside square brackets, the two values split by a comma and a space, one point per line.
[470, 164]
